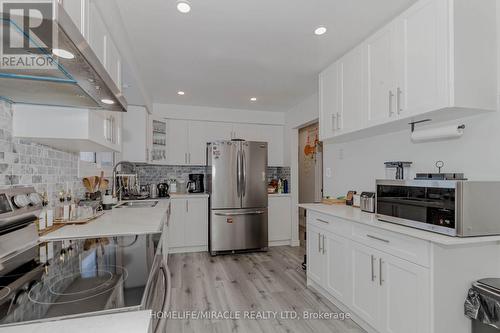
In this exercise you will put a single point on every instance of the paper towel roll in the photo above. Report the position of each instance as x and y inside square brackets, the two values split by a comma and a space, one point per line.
[434, 134]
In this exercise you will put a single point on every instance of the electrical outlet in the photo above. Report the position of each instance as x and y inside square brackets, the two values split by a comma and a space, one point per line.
[328, 172]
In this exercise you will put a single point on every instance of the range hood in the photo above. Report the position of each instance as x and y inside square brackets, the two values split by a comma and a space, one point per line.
[81, 82]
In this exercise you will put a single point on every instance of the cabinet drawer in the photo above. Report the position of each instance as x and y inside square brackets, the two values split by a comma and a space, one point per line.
[330, 223]
[404, 247]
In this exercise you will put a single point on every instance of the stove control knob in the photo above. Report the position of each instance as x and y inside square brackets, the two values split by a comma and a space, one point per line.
[21, 200]
[35, 199]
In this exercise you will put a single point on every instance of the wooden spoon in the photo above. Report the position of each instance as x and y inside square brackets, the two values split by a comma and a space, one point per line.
[88, 185]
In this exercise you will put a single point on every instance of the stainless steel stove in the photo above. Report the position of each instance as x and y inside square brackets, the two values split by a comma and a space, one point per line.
[77, 277]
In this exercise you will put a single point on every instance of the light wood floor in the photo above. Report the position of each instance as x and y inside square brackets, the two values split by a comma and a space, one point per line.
[269, 281]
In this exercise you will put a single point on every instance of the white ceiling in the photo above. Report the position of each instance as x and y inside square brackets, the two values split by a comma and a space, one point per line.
[225, 51]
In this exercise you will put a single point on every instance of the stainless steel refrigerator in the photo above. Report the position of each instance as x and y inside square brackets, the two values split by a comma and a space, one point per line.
[236, 182]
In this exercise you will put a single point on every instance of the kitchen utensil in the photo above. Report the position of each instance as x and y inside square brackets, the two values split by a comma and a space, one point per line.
[88, 185]
[101, 178]
[367, 202]
[104, 185]
[153, 191]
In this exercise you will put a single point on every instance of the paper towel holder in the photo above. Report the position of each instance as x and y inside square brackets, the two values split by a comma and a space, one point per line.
[413, 123]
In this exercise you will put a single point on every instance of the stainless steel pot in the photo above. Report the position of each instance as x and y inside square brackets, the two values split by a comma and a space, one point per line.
[153, 191]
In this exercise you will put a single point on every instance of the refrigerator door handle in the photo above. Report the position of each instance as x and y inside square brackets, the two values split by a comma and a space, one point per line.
[238, 173]
[244, 173]
[256, 212]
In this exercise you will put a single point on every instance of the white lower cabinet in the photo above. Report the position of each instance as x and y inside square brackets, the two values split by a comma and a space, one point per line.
[188, 225]
[279, 219]
[388, 293]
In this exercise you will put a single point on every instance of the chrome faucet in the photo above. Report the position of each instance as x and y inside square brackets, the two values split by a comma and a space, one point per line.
[113, 187]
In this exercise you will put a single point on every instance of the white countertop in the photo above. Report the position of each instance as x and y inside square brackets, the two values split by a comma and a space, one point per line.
[129, 321]
[118, 221]
[188, 195]
[356, 215]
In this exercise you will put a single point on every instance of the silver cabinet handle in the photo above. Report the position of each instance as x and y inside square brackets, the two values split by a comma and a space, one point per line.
[189, 158]
[339, 117]
[319, 243]
[324, 244]
[398, 100]
[147, 154]
[373, 269]
[380, 279]
[320, 220]
[333, 121]
[391, 95]
[187, 206]
[379, 239]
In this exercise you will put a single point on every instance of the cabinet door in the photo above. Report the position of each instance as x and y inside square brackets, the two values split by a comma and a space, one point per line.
[351, 115]
[135, 135]
[159, 137]
[176, 236]
[97, 33]
[315, 257]
[280, 219]
[113, 63]
[337, 267]
[405, 296]
[177, 137]
[248, 132]
[365, 291]
[328, 101]
[196, 222]
[380, 81]
[76, 10]
[273, 135]
[201, 132]
[422, 44]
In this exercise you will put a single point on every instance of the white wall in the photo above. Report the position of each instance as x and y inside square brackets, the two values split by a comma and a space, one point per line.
[355, 165]
[191, 112]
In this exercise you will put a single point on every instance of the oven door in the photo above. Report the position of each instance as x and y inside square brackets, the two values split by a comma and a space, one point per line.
[419, 204]
[159, 294]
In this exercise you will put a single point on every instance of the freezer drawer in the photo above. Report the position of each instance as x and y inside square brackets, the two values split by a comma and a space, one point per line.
[236, 230]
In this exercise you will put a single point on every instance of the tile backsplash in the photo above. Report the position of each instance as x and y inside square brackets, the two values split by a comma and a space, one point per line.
[23, 162]
[159, 173]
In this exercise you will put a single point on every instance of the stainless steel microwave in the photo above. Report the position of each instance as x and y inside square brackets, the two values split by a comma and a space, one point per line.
[452, 207]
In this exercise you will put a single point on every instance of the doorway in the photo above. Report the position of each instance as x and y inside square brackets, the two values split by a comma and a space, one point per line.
[310, 165]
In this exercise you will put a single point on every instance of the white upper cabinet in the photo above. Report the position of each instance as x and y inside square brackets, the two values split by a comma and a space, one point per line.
[202, 132]
[77, 10]
[381, 75]
[97, 33]
[436, 60]
[247, 132]
[177, 142]
[328, 101]
[351, 113]
[136, 146]
[114, 62]
[423, 58]
[273, 135]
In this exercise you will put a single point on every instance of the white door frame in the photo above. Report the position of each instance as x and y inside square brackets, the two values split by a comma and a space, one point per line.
[294, 174]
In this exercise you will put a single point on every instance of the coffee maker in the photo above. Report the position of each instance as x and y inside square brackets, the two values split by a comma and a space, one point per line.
[195, 183]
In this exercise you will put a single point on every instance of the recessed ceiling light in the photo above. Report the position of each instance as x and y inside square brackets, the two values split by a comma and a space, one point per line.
[61, 53]
[320, 31]
[181, 93]
[107, 101]
[253, 99]
[183, 6]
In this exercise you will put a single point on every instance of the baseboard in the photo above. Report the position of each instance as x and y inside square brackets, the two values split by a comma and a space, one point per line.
[342, 307]
[295, 242]
[188, 249]
[279, 243]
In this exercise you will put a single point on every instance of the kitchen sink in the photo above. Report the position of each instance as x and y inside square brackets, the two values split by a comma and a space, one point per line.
[138, 204]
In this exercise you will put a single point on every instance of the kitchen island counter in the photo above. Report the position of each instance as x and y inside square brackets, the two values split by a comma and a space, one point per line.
[118, 221]
[356, 215]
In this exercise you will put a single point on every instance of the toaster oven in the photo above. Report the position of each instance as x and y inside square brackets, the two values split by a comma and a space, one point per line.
[452, 207]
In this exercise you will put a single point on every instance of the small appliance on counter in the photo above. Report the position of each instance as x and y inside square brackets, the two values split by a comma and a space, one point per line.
[397, 170]
[195, 183]
[459, 208]
[163, 190]
[153, 191]
[367, 202]
[481, 305]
